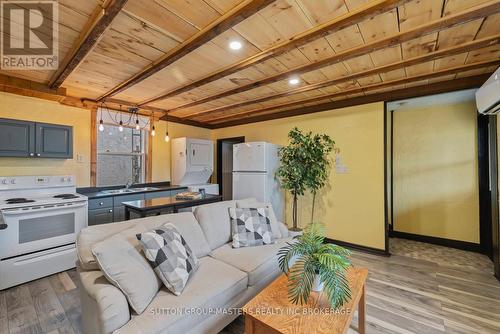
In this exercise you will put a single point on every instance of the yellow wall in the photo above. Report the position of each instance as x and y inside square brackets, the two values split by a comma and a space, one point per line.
[32, 109]
[161, 149]
[352, 207]
[435, 171]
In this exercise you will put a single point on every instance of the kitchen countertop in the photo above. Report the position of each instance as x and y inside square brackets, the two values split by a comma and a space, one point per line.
[164, 202]
[97, 192]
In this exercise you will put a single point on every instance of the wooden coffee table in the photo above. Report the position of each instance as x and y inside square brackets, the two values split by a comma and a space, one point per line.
[272, 312]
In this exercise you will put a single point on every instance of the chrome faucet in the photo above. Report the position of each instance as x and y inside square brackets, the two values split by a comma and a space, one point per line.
[129, 184]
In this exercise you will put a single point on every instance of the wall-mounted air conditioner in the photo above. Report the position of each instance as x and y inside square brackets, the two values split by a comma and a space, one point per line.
[488, 96]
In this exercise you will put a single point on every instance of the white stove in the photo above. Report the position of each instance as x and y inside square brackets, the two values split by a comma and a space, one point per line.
[40, 217]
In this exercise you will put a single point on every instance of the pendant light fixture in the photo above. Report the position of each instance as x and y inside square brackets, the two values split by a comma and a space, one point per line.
[137, 126]
[152, 120]
[167, 137]
[120, 127]
[101, 123]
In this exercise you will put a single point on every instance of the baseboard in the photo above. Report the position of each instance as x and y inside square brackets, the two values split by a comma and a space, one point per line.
[463, 245]
[361, 248]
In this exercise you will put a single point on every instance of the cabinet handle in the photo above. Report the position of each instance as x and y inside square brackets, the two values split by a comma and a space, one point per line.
[32, 154]
[38, 154]
[101, 203]
[110, 210]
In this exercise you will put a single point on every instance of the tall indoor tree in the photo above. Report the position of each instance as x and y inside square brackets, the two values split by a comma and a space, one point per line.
[304, 166]
[319, 147]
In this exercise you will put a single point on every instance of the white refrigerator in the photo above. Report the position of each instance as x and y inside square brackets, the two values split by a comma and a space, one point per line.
[254, 169]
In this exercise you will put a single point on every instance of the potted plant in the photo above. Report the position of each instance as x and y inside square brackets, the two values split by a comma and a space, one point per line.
[318, 266]
[304, 165]
[318, 151]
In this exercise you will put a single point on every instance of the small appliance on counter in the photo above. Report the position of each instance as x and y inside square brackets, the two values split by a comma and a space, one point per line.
[192, 164]
[40, 217]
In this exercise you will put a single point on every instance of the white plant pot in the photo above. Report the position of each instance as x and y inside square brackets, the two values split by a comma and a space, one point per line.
[317, 284]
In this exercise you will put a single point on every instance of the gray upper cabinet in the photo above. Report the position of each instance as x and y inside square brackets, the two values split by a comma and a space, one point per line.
[54, 141]
[30, 139]
[17, 138]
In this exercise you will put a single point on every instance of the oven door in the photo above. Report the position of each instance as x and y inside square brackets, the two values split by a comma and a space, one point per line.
[33, 229]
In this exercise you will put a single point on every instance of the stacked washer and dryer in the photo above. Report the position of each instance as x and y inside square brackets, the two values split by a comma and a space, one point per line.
[192, 164]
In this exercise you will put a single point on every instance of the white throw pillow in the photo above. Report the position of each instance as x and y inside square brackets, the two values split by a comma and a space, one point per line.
[127, 269]
[253, 203]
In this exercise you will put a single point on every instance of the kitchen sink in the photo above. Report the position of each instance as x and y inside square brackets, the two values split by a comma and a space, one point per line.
[118, 191]
[143, 189]
[128, 190]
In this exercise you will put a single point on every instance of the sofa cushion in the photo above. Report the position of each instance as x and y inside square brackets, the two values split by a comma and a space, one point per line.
[283, 230]
[254, 203]
[170, 256]
[128, 270]
[214, 221]
[250, 227]
[215, 283]
[108, 306]
[185, 223]
[257, 262]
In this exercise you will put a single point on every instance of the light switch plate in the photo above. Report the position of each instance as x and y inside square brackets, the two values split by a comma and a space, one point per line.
[79, 158]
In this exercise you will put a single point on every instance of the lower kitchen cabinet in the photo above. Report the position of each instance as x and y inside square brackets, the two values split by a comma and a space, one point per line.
[100, 216]
[119, 209]
[158, 194]
[104, 210]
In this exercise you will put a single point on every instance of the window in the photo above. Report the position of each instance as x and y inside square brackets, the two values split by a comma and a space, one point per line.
[121, 155]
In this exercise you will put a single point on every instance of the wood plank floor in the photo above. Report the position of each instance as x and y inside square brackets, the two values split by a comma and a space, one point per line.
[404, 295]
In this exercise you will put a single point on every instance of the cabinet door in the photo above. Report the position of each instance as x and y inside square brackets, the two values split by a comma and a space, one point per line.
[54, 141]
[100, 216]
[17, 138]
[200, 153]
[157, 194]
[119, 213]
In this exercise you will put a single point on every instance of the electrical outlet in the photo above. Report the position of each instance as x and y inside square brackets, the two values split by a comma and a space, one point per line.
[79, 158]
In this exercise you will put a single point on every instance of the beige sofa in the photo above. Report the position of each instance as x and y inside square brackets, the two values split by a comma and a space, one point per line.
[226, 278]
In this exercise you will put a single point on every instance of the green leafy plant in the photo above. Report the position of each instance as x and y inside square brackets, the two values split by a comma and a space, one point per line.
[305, 165]
[314, 257]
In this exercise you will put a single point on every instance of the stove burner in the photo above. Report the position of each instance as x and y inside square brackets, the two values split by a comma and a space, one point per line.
[18, 200]
[66, 196]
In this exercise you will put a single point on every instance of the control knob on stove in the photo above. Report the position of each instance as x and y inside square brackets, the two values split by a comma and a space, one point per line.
[12, 181]
[4, 181]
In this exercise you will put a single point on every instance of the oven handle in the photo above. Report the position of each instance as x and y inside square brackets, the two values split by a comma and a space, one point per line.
[21, 211]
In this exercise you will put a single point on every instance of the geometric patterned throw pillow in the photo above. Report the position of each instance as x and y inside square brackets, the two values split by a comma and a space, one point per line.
[170, 256]
[250, 227]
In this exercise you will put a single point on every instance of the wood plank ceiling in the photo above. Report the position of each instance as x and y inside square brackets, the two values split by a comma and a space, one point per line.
[172, 56]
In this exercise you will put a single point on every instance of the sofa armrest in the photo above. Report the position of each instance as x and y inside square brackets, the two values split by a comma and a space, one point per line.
[104, 307]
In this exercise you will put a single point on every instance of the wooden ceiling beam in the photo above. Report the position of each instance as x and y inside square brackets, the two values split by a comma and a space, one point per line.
[99, 23]
[466, 47]
[364, 89]
[239, 13]
[29, 88]
[404, 93]
[473, 13]
[361, 13]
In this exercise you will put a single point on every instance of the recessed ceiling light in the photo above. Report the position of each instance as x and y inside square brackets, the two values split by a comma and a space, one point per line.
[235, 45]
[293, 81]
